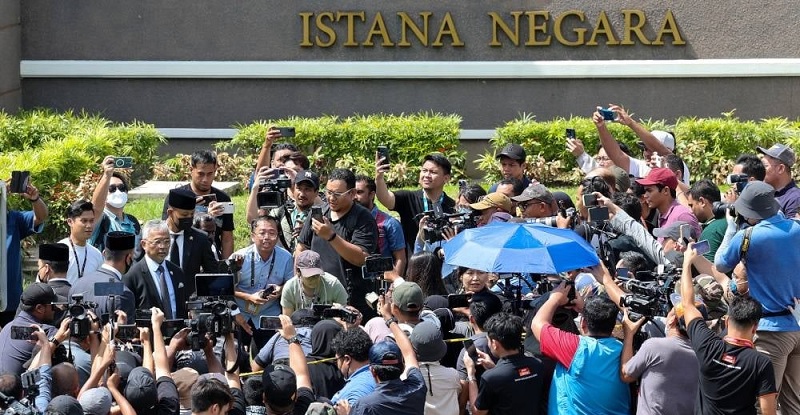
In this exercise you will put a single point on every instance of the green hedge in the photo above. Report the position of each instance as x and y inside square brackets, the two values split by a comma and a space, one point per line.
[63, 150]
[707, 145]
[333, 142]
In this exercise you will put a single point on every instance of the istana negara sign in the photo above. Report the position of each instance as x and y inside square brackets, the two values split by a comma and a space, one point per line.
[535, 28]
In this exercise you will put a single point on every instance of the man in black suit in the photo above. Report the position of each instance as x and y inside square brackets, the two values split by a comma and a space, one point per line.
[190, 248]
[154, 281]
[118, 256]
[53, 264]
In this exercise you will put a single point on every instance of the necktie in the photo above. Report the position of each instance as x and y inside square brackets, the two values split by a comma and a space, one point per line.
[174, 253]
[166, 304]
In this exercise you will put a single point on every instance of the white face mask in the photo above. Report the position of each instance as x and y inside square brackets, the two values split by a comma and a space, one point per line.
[117, 199]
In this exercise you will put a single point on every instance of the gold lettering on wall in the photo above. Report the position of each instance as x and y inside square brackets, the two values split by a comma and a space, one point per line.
[532, 28]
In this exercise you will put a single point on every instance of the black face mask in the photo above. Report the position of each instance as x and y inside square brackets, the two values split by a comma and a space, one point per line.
[184, 224]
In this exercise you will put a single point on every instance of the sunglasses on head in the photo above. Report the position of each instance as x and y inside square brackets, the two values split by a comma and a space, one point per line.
[114, 187]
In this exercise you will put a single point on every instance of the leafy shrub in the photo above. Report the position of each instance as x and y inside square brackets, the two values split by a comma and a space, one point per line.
[707, 145]
[61, 150]
[331, 142]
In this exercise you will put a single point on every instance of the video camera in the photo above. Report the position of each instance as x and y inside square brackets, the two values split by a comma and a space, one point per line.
[81, 324]
[648, 298]
[272, 192]
[739, 180]
[348, 316]
[438, 221]
[212, 313]
[30, 380]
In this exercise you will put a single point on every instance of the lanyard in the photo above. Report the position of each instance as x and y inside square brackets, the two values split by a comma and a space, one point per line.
[425, 207]
[81, 269]
[253, 268]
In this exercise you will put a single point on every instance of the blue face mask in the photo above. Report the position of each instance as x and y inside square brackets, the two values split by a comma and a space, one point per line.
[463, 210]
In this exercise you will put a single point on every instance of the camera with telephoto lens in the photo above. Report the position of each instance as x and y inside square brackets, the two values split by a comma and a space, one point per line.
[81, 324]
[272, 192]
[719, 209]
[210, 316]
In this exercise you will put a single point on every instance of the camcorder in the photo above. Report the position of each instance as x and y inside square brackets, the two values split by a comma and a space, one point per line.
[272, 192]
[26, 406]
[738, 180]
[211, 312]
[650, 298]
[81, 324]
[348, 316]
[438, 221]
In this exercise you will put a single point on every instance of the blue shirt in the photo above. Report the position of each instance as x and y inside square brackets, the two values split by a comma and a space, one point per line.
[360, 383]
[772, 266]
[125, 224]
[278, 348]
[263, 273]
[19, 226]
[396, 397]
[390, 233]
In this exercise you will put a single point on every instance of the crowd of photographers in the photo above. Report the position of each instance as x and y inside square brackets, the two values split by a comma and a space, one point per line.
[338, 307]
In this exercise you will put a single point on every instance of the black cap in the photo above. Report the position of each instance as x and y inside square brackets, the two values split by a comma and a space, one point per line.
[307, 176]
[120, 241]
[182, 199]
[37, 293]
[513, 151]
[280, 385]
[54, 252]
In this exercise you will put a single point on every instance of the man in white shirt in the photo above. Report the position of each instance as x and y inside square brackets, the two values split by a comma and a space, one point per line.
[84, 258]
[445, 394]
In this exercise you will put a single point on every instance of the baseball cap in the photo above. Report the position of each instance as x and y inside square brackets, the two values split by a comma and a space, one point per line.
[662, 176]
[280, 385]
[309, 263]
[96, 401]
[141, 390]
[781, 152]
[184, 379]
[386, 353]
[673, 231]
[495, 199]
[621, 179]
[408, 296]
[710, 289]
[535, 191]
[666, 138]
[65, 404]
[513, 151]
[427, 342]
[757, 201]
[307, 176]
[37, 293]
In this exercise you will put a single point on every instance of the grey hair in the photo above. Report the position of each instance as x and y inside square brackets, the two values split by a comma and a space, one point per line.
[154, 225]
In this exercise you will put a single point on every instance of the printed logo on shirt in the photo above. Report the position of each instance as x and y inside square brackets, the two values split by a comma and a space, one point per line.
[729, 359]
[524, 371]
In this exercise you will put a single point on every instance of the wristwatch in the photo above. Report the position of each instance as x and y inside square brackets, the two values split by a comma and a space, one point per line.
[390, 321]
[293, 339]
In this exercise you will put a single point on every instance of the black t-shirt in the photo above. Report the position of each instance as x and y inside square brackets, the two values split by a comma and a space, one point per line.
[731, 377]
[305, 397]
[409, 204]
[224, 222]
[514, 386]
[358, 227]
[326, 378]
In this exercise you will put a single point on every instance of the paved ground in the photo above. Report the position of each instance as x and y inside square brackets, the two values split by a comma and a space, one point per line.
[159, 189]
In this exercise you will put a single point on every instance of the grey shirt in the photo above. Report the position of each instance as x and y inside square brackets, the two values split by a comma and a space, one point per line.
[669, 373]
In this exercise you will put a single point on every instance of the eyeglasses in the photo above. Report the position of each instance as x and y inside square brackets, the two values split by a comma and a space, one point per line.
[270, 235]
[336, 195]
[601, 158]
[524, 205]
[114, 187]
[159, 242]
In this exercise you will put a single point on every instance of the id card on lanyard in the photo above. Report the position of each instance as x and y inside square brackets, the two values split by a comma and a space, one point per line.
[249, 306]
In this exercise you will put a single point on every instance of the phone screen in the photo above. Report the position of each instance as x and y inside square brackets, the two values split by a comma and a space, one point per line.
[622, 273]
[316, 213]
[702, 247]
[571, 134]
[270, 323]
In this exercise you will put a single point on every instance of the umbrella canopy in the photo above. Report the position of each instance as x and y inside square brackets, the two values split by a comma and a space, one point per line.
[520, 247]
